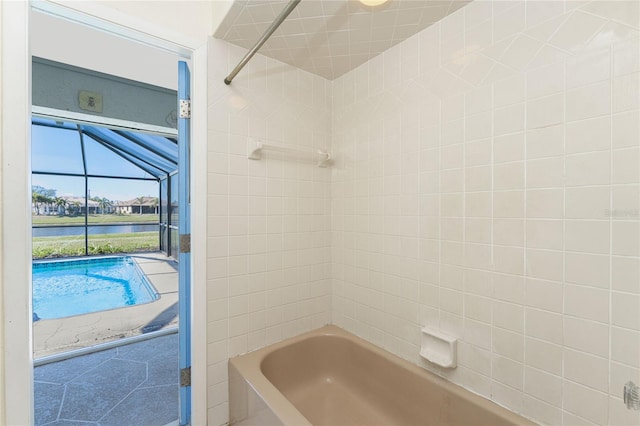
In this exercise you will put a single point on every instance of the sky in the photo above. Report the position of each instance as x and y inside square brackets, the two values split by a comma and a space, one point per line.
[59, 150]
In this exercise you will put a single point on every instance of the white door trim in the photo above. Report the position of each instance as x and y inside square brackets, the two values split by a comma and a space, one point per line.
[199, 236]
[15, 109]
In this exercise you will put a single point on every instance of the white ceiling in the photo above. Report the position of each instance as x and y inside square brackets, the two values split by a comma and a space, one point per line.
[330, 37]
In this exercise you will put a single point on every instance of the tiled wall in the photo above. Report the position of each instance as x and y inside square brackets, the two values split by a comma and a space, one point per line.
[487, 185]
[268, 221]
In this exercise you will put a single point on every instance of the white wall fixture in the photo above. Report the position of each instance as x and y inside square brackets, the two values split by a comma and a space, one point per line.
[439, 348]
[321, 158]
[373, 3]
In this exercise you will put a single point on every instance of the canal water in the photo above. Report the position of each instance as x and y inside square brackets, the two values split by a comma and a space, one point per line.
[59, 231]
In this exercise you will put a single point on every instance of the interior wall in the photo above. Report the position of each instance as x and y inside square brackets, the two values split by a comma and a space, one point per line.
[487, 185]
[186, 23]
[268, 251]
[74, 44]
[196, 19]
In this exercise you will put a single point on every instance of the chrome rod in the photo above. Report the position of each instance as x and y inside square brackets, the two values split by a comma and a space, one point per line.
[274, 26]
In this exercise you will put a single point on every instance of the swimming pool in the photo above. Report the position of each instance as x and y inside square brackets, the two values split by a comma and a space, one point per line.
[65, 288]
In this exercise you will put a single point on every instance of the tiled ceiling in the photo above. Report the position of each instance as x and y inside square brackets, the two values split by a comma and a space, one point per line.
[330, 37]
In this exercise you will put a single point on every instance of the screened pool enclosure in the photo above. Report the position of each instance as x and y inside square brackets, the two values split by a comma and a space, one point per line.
[99, 190]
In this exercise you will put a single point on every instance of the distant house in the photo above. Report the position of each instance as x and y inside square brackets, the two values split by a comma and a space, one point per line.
[142, 205]
[75, 205]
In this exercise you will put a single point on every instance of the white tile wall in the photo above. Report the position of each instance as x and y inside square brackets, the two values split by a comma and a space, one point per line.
[487, 183]
[519, 122]
[269, 227]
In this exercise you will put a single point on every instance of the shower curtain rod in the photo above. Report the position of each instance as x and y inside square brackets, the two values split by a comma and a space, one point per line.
[274, 26]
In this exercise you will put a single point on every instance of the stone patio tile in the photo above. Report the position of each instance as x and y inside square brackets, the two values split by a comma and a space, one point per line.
[145, 350]
[121, 391]
[164, 283]
[160, 403]
[152, 268]
[162, 370]
[93, 394]
[68, 369]
[47, 402]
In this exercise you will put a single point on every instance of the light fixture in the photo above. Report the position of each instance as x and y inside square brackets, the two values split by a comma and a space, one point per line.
[373, 3]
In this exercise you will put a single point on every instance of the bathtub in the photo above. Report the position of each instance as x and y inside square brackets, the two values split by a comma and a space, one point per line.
[331, 377]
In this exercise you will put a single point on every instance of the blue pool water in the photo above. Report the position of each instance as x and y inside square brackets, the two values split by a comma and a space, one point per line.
[73, 287]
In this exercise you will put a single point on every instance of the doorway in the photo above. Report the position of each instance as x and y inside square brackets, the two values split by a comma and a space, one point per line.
[16, 231]
[115, 364]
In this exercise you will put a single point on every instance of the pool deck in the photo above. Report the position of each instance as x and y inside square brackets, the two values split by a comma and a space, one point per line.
[52, 336]
[131, 385]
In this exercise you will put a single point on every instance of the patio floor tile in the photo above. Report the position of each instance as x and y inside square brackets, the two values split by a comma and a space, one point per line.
[97, 391]
[50, 395]
[67, 370]
[157, 411]
[135, 384]
[143, 351]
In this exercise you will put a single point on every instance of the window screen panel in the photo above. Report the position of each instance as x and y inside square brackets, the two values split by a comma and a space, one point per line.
[123, 144]
[165, 147]
[55, 150]
[105, 162]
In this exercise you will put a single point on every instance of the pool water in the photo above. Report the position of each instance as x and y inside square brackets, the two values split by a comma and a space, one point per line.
[73, 287]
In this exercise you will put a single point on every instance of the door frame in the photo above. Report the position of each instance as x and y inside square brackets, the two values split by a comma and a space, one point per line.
[16, 358]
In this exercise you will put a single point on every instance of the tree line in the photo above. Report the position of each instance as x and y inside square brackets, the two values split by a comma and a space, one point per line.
[46, 198]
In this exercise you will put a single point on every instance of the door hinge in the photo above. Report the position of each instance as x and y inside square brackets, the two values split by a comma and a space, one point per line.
[185, 108]
[185, 243]
[185, 377]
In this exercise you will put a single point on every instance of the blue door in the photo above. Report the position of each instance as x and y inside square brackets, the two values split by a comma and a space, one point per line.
[184, 229]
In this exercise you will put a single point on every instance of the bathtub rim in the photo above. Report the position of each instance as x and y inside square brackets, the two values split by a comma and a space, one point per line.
[249, 366]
